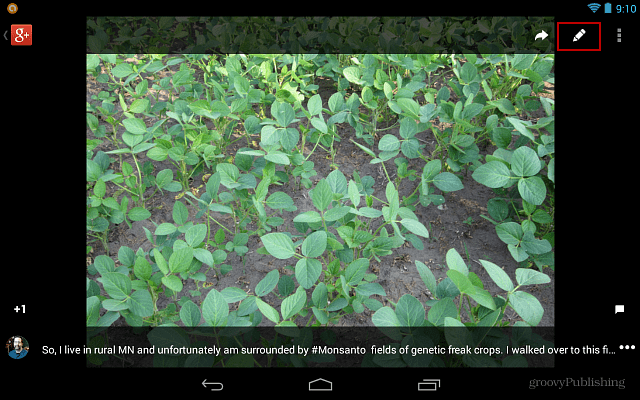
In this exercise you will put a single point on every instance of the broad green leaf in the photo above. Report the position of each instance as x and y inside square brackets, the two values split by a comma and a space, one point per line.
[410, 311]
[204, 256]
[314, 105]
[135, 126]
[195, 235]
[190, 314]
[369, 212]
[356, 270]
[278, 245]
[498, 275]
[444, 308]
[162, 263]
[408, 128]
[411, 148]
[122, 70]
[471, 111]
[415, 227]
[410, 107]
[270, 135]
[352, 74]
[293, 304]
[527, 307]
[517, 252]
[321, 195]
[366, 94]
[115, 305]
[368, 289]
[385, 316]
[308, 271]
[172, 282]
[468, 72]
[229, 175]
[315, 244]
[520, 127]
[283, 113]
[482, 297]
[164, 229]
[164, 177]
[394, 201]
[522, 61]
[233, 294]
[93, 309]
[336, 213]
[277, 157]
[510, 233]
[319, 124]
[180, 260]
[138, 214]
[338, 304]
[463, 283]
[532, 189]
[319, 295]
[354, 194]
[117, 285]
[99, 189]
[447, 182]
[455, 262]
[431, 169]
[427, 276]
[337, 182]
[525, 276]
[504, 105]
[493, 174]
[215, 309]
[268, 283]
[142, 147]
[525, 162]
[142, 268]
[308, 216]
[279, 201]
[535, 246]
[389, 143]
[180, 213]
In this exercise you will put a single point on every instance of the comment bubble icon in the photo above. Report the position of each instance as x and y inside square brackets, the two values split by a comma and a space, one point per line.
[619, 308]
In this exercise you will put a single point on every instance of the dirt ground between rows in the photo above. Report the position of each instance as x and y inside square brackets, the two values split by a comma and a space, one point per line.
[396, 273]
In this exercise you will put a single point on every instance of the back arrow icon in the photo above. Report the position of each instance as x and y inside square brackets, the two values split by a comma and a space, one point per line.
[542, 35]
[217, 385]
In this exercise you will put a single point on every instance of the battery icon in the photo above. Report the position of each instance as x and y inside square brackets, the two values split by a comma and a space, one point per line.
[607, 8]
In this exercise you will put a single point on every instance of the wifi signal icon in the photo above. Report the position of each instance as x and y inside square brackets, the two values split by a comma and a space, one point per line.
[594, 6]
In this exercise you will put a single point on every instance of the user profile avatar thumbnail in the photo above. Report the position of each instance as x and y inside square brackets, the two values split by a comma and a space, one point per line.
[17, 347]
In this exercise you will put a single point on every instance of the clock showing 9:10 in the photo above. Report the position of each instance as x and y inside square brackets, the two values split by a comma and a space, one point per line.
[626, 8]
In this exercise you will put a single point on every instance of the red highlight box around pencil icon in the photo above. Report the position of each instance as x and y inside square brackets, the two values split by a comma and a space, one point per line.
[579, 23]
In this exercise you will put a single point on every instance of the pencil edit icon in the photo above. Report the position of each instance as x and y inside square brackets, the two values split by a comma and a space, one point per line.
[579, 35]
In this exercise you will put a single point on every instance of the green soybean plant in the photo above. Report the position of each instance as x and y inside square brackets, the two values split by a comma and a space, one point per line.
[337, 271]
[462, 323]
[390, 146]
[133, 288]
[102, 210]
[528, 178]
